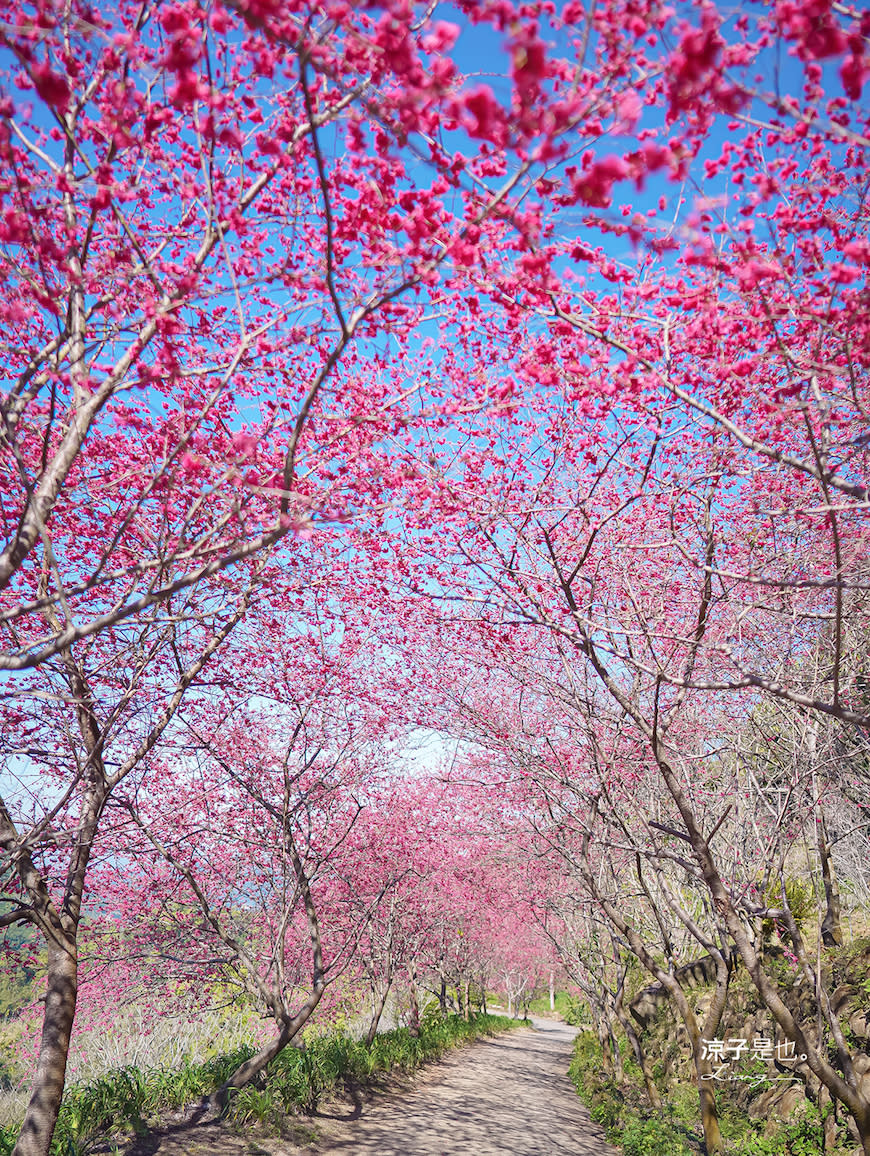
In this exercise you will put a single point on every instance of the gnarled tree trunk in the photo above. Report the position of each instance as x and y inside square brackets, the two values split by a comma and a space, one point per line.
[252, 1067]
[832, 933]
[377, 1013]
[48, 1081]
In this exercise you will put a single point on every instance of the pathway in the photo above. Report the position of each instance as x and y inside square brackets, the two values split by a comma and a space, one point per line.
[507, 1095]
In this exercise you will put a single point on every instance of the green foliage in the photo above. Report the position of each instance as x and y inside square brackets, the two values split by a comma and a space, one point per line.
[431, 1015]
[801, 899]
[622, 1112]
[851, 964]
[15, 992]
[295, 1081]
[576, 1011]
[21, 987]
[566, 1006]
[653, 1136]
[476, 995]
[11, 1069]
[803, 1137]
[605, 1109]
[299, 1077]
[587, 1056]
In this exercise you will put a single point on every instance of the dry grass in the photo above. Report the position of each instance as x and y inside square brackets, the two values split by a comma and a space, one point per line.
[137, 1040]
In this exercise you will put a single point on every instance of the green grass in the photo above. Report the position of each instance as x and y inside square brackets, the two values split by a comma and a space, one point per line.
[295, 1081]
[566, 1005]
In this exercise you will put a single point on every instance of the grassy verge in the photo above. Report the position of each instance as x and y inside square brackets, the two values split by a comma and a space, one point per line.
[621, 1109]
[295, 1082]
[675, 1130]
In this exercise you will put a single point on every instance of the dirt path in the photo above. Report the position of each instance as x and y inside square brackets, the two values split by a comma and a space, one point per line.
[506, 1095]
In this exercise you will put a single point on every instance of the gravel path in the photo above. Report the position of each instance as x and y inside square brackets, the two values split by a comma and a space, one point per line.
[506, 1095]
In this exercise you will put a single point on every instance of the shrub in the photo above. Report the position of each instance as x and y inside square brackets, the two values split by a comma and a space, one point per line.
[653, 1136]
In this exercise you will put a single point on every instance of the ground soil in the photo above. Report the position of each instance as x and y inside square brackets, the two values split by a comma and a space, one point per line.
[506, 1095]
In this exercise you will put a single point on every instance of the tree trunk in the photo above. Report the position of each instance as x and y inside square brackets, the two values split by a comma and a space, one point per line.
[466, 1005]
[832, 933]
[713, 1145]
[376, 1016]
[652, 1092]
[414, 1025]
[552, 992]
[603, 1042]
[706, 1098]
[60, 927]
[710, 1119]
[246, 1071]
[618, 1069]
[60, 1006]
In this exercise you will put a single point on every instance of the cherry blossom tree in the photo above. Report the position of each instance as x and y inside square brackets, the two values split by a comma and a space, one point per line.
[683, 508]
[593, 335]
[197, 278]
[245, 883]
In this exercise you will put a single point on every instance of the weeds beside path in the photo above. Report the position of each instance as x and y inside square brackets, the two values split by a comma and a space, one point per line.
[508, 1095]
[170, 1111]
